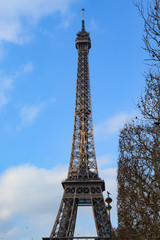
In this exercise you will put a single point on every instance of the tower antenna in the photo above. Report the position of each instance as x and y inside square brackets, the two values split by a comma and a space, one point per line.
[83, 9]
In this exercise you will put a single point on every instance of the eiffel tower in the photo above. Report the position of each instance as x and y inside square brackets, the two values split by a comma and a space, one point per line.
[83, 186]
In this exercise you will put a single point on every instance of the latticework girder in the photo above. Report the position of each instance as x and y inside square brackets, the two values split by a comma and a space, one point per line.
[83, 163]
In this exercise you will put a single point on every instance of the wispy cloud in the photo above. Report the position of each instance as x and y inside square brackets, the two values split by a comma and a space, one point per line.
[27, 68]
[7, 82]
[105, 160]
[112, 125]
[28, 113]
[17, 18]
[64, 24]
[1, 52]
[66, 20]
[3, 99]
[93, 25]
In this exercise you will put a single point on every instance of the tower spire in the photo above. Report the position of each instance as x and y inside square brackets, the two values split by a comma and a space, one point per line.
[83, 19]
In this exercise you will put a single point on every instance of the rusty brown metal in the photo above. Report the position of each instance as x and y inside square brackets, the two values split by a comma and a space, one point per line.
[83, 186]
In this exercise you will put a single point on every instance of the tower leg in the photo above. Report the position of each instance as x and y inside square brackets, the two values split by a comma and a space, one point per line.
[100, 214]
[65, 221]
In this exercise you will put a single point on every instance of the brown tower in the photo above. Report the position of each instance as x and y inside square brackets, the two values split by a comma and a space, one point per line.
[83, 186]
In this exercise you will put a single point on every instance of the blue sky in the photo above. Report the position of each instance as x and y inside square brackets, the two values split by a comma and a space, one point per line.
[38, 64]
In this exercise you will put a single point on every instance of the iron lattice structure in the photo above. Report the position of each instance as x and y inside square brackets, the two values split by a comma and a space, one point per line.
[83, 187]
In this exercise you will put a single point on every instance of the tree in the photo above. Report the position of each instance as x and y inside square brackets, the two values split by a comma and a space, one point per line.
[139, 146]
[139, 182]
[150, 12]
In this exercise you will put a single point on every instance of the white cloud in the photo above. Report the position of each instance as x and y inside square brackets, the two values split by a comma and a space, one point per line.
[93, 25]
[18, 17]
[29, 113]
[29, 190]
[1, 52]
[112, 125]
[3, 100]
[117, 122]
[31, 196]
[105, 160]
[6, 84]
[27, 68]
[64, 24]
